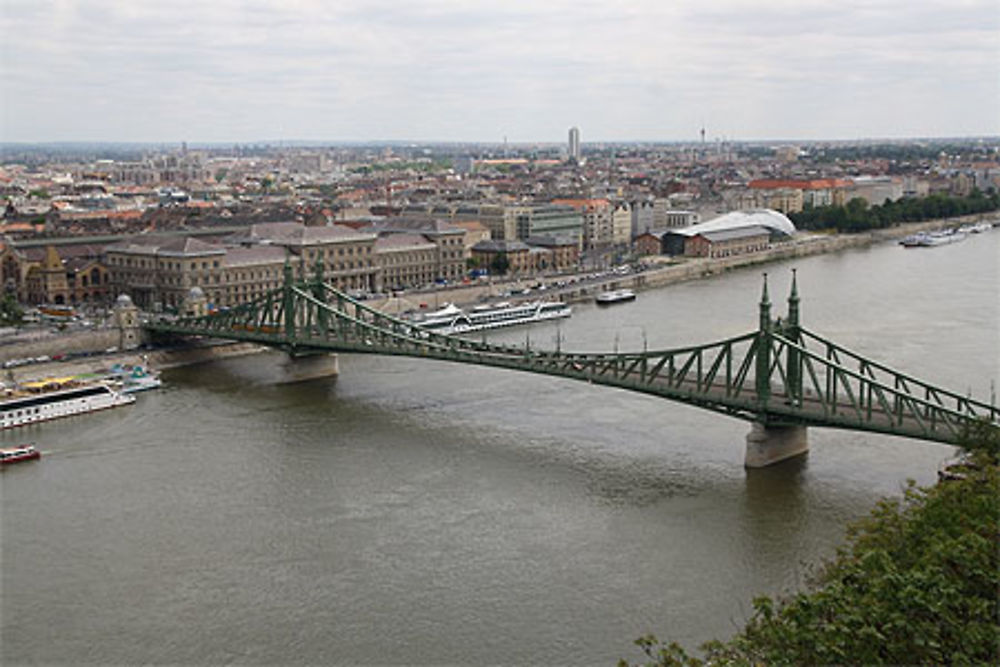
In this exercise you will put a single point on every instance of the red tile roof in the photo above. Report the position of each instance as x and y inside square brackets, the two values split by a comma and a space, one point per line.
[813, 184]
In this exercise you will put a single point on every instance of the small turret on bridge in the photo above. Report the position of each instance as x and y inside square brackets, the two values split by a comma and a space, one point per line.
[782, 378]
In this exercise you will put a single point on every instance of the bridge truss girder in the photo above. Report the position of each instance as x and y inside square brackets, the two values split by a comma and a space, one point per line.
[807, 380]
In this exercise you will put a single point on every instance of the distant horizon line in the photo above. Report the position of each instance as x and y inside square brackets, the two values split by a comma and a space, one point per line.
[501, 143]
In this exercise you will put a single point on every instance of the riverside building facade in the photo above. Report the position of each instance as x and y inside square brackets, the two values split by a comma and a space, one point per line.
[159, 272]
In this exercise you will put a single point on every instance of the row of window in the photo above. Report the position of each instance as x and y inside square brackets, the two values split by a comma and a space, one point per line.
[738, 250]
[26, 413]
[232, 296]
[156, 263]
[408, 278]
[313, 255]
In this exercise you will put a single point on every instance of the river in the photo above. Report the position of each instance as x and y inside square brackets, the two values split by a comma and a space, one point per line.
[416, 512]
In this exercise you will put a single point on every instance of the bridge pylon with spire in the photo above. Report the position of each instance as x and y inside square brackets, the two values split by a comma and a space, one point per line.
[781, 377]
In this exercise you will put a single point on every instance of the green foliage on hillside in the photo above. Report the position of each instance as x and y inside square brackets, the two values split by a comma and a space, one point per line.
[917, 583]
[857, 216]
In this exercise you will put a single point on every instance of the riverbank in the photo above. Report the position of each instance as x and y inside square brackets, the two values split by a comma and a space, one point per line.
[154, 359]
[659, 271]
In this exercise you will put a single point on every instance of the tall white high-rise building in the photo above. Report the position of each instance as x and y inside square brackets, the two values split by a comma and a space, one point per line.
[574, 144]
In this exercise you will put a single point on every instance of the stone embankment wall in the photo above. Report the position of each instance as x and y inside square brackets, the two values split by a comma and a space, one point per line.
[161, 359]
[155, 359]
[77, 342]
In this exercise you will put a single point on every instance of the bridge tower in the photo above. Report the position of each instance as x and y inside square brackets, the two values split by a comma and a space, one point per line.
[288, 302]
[319, 292]
[309, 365]
[792, 332]
[763, 371]
[770, 441]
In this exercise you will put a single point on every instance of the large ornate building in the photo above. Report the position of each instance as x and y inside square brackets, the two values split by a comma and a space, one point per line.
[160, 271]
[448, 259]
[67, 275]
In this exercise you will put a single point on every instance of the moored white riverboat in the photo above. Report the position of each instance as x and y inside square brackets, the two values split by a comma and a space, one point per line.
[133, 379]
[453, 320]
[51, 399]
[932, 239]
[614, 296]
[976, 228]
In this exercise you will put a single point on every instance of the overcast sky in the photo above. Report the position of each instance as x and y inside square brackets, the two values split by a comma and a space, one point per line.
[423, 70]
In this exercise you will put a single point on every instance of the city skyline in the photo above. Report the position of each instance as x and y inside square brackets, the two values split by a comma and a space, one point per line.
[464, 72]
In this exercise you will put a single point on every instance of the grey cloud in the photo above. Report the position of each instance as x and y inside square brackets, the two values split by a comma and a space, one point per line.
[456, 70]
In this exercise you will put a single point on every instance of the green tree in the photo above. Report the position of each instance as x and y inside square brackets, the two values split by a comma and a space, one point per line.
[500, 264]
[981, 443]
[10, 311]
[857, 216]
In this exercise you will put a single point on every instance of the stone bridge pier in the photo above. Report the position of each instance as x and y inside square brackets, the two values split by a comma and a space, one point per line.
[300, 368]
[770, 443]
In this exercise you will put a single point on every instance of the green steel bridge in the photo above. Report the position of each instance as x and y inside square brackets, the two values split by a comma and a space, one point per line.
[779, 375]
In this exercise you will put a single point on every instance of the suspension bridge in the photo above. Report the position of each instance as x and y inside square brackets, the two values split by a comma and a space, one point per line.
[781, 377]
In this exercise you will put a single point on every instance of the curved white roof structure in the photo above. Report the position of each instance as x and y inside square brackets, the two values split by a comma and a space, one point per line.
[761, 217]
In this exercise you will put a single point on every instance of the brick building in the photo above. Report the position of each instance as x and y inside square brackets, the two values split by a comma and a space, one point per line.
[728, 242]
[649, 243]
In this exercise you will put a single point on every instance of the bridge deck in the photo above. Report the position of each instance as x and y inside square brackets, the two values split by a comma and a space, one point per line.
[778, 374]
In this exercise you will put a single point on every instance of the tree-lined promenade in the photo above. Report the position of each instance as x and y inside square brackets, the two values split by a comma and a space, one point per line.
[858, 216]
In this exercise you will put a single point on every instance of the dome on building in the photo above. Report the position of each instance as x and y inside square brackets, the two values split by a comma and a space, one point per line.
[123, 301]
[761, 217]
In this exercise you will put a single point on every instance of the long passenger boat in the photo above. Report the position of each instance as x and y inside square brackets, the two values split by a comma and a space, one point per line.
[51, 399]
[453, 320]
[931, 239]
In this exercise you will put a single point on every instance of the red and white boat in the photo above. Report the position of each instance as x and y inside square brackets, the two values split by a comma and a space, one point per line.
[18, 454]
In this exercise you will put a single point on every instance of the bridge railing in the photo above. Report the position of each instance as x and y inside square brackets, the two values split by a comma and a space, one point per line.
[903, 382]
[836, 385]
